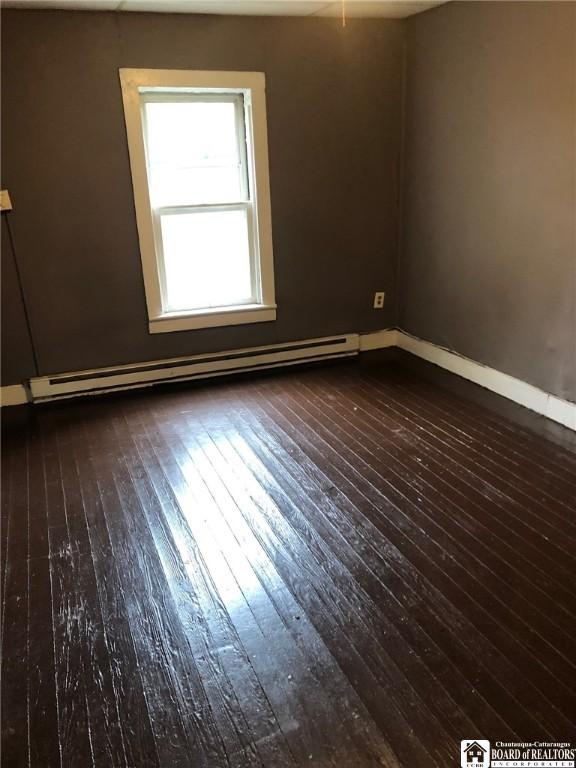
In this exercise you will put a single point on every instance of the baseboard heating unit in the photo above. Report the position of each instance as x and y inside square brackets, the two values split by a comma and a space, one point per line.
[120, 377]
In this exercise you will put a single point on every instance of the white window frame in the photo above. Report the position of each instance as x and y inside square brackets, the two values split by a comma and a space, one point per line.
[137, 86]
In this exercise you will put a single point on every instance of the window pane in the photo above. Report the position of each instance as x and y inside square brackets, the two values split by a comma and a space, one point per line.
[206, 259]
[190, 186]
[193, 153]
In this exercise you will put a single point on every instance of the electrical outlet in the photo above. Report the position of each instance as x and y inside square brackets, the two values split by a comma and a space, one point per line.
[379, 299]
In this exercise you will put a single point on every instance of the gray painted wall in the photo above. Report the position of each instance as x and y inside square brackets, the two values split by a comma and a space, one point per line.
[488, 256]
[488, 261]
[17, 357]
[334, 136]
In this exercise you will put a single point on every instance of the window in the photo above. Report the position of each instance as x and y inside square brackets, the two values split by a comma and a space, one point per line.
[199, 159]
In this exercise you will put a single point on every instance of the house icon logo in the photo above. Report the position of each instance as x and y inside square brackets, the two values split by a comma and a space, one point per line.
[475, 753]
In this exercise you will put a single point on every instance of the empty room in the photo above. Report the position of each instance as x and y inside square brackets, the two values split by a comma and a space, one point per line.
[288, 349]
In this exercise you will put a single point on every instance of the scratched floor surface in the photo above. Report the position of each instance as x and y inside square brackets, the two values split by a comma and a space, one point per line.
[344, 566]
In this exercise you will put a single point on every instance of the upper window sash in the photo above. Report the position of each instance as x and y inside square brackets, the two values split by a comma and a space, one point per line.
[187, 96]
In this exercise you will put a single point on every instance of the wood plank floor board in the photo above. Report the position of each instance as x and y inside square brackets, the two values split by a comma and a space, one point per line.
[202, 617]
[137, 736]
[185, 731]
[495, 542]
[361, 553]
[380, 501]
[288, 610]
[375, 442]
[533, 620]
[5, 509]
[382, 478]
[38, 537]
[498, 445]
[248, 592]
[390, 565]
[516, 493]
[468, 447]
[74, 739]
[294, 531]
[84, 618]
[308, 642]
[246, 505]
[44, 746]
[420, 445]
[462, 629]
[338, 566]
[158, 730]
[16, 618]
[41, 694]
[526, 433]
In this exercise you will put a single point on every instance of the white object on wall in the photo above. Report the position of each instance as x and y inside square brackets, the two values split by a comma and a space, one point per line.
[5, 202]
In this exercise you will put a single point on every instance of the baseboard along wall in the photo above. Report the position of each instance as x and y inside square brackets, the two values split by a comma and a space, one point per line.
[531, 397]
[14, 394]
[527, 395]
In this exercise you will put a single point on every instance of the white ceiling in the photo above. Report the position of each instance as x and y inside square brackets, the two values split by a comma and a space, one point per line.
[393, 9]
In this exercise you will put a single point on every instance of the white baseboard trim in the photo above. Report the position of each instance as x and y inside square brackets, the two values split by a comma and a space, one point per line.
[378, 339]
[97, 381]
[14, 394]
[121, 377]
[550, 406]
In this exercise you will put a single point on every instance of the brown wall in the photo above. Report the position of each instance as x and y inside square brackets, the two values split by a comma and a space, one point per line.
[17, 355]
[334, 135]
[488, 261]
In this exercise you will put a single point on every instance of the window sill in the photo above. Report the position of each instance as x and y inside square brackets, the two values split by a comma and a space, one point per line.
[212, 318]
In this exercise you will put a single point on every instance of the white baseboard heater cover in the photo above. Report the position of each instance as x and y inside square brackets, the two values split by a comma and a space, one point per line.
[103, 380]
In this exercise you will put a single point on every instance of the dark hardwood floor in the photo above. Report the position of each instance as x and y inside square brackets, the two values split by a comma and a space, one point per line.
[344, 566]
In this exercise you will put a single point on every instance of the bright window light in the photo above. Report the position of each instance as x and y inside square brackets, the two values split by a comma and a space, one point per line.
[198, 183]
[203, 212]
[194, 152]
[206, 259]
